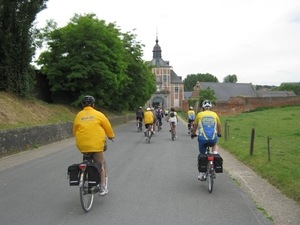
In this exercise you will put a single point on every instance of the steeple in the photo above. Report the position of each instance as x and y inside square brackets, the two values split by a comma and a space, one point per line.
[156, 50]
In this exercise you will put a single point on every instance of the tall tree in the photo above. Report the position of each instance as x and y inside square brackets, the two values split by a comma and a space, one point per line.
[191, 80]
[88, 56]
[230, 79]
[17, 44]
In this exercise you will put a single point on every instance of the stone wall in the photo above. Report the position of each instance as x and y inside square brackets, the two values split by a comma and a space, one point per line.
[21, 139]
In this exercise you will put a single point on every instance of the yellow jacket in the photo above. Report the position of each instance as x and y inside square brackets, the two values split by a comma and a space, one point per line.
[148, 117]
[90, 129]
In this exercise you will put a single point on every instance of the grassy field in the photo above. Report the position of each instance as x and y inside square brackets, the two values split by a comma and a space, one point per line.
[282, 127]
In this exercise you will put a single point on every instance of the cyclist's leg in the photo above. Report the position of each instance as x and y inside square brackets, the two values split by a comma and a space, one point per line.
[99, 157]
[201, 146]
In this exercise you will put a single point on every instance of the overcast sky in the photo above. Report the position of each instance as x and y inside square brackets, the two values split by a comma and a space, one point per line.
[257, 40]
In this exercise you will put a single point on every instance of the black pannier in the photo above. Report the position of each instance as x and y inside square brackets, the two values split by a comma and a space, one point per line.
[218, 163]
[73, 174]
[93, 172]
[202, 162]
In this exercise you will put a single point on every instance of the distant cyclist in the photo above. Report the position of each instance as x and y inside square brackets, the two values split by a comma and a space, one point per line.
[159, 114]
[208, 129]
[148, 119]
[139, 115]
[172, 117]
[154, 114]
[190, 116]
[90, 128]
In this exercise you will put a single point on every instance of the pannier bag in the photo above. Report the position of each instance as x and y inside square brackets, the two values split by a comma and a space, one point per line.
[93, 173]
[218, 163]
[202, 162]
[73, 174]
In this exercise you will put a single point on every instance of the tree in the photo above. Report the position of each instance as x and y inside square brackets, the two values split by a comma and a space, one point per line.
[17, 44]
[230, 79]
[88, 56]
[207, 94]
[191, 80]
[290, 87]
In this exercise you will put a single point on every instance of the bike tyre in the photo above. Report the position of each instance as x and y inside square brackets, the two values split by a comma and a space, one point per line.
[86, 199]
[210, 182]
[149, 136]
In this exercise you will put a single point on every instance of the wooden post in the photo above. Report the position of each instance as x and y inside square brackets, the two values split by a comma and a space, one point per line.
[269, 153]
[252, 141]
[225, 129]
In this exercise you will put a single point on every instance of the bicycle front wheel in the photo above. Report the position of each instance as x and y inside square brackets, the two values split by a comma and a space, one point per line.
[86, 198]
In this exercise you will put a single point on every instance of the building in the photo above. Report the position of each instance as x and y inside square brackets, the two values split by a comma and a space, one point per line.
[170, 87]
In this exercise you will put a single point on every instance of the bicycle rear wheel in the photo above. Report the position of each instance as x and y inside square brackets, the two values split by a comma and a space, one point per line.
[149, 136]
[172, 132]
[210, 182]
[86, 199]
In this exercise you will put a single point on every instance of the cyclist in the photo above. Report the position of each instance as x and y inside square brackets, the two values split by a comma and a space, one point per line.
[208, 128]
[159, 114]
[139, 115]
[148, 119]
[154, 114]
[172, 117]
[190, 116]
[166, 113]
[90, 128]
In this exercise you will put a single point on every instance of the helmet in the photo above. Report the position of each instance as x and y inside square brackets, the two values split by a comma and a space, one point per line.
[152, 108]
[148, 109]
[88, 100]
[206, 104]
[140, 107]
[191, 107]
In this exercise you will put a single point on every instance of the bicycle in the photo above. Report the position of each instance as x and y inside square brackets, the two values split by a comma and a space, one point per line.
[87, 176]
[149, 132]
[173, 131]
[158, 125]
[139, 126]
[190, 127]
[210, 164]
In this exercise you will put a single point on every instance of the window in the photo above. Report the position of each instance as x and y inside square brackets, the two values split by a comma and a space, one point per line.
[165, 78]
[176, 90]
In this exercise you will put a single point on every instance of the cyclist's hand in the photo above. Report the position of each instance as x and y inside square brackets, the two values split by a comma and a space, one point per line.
[219, 135]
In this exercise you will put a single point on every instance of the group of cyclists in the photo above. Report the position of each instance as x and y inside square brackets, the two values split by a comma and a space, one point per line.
[91, 127]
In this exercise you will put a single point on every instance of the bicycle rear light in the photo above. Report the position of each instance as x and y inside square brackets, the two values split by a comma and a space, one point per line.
[210, 158]
[82, 166]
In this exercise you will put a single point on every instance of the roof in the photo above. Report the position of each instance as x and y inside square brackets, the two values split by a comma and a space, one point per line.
[175, 78]
[275, 93]
[223, 91]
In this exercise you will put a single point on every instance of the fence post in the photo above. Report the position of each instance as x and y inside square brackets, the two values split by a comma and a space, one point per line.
[225, 131]
[252, 141]
[269, 153]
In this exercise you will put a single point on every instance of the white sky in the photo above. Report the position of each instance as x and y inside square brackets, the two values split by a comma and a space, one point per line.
[257, 40]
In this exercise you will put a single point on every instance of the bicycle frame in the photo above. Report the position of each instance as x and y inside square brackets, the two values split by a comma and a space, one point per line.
[149, 132]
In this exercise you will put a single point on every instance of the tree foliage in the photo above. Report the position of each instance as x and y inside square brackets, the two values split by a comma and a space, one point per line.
[191, 80]
[207, 94]
[295, 87]
[230, 79]
[88, 56]
[17, 48]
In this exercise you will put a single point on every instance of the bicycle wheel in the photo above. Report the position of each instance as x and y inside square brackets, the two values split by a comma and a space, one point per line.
[210, 181]
[172, 132]
[86, 199]
[149, 136]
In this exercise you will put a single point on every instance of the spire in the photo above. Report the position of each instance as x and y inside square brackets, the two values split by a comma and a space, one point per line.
[156, 50]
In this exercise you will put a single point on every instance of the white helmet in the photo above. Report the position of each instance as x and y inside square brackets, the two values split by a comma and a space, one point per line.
[148, 109]
[206, 104]
[191, 107]
[152, 108]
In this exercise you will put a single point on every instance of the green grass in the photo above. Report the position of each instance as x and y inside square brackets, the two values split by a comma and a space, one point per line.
[282, 125]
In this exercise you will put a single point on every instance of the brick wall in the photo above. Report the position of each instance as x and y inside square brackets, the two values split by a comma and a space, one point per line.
[237, 105]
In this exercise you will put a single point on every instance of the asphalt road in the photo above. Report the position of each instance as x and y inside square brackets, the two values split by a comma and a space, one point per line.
[152, 183]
